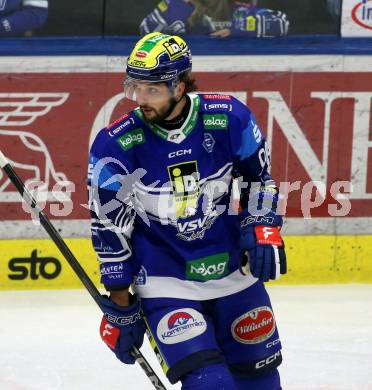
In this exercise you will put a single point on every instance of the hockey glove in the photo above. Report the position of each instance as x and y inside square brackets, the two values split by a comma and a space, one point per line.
[122, 328]
[262, 247]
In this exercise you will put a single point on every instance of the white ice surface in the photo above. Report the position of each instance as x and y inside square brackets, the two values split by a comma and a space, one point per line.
[49, 340]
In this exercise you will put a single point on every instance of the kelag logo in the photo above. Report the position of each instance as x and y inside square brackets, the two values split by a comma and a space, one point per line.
[33, 267]
[362, 14]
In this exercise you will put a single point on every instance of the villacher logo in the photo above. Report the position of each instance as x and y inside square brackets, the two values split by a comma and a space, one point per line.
[255, 326]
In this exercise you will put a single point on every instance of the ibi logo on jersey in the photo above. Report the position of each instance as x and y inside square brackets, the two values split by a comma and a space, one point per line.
[208, 268]
[215, 122]
[132, 138]
[185, 183]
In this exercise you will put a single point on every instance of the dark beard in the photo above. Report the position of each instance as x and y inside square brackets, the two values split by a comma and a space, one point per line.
[161, 115]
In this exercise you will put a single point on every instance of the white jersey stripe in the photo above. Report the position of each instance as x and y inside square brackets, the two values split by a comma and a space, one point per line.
[162, 287]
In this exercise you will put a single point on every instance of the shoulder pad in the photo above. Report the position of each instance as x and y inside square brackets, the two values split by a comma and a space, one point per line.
[216, 103]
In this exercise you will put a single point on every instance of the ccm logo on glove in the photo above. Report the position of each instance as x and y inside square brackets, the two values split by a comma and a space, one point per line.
[123, 320]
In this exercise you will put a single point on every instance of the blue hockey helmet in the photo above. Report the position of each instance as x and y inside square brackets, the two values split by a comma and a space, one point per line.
[158, 58]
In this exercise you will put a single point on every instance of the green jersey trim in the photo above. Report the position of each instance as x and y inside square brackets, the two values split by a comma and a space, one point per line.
[185, 129]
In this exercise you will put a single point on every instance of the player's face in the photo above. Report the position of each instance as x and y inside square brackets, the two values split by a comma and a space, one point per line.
[154, 100]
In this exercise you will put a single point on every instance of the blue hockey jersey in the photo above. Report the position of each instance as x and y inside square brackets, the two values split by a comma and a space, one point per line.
[161, 199]
[19, 16]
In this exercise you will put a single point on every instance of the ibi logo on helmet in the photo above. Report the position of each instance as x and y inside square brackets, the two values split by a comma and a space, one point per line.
[208, 268]
[173, 48]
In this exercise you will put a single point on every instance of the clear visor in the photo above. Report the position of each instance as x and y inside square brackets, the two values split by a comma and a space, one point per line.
[148, 91]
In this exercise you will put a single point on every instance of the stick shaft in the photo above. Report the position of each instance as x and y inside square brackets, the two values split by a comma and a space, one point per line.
[71, 259]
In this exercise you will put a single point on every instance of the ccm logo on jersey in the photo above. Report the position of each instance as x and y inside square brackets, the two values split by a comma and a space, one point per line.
[255, 326]
[268, 360]
[272, 343]
[179, 153]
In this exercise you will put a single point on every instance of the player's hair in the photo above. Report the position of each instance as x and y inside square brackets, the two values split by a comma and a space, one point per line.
[190, 83]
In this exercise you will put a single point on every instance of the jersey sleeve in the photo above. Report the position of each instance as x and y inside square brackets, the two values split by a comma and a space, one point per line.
[252, 161]
[112, 214]
[168, 17]
[29, 15]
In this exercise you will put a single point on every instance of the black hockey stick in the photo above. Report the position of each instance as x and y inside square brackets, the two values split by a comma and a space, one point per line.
[71, 259]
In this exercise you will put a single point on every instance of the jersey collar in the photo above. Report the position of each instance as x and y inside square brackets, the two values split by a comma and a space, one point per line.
[177, 135]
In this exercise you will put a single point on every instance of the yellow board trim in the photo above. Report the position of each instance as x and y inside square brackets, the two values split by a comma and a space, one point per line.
[311, 260]
[328, 259]
[21, 252]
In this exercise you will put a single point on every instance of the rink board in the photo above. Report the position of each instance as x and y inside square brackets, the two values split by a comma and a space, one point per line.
[314, 109]
[38, 264]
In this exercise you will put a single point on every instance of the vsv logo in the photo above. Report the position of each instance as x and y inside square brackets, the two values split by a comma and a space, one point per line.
[190, 226]
[33, 266]
[362, 14]
[191, 230]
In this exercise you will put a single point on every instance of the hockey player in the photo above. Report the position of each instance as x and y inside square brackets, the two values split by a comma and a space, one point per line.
[20, 16]
[220, 18]
[160, 180]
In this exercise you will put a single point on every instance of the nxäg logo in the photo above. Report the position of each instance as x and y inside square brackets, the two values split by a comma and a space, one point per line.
[362, 14]
[180, 325]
